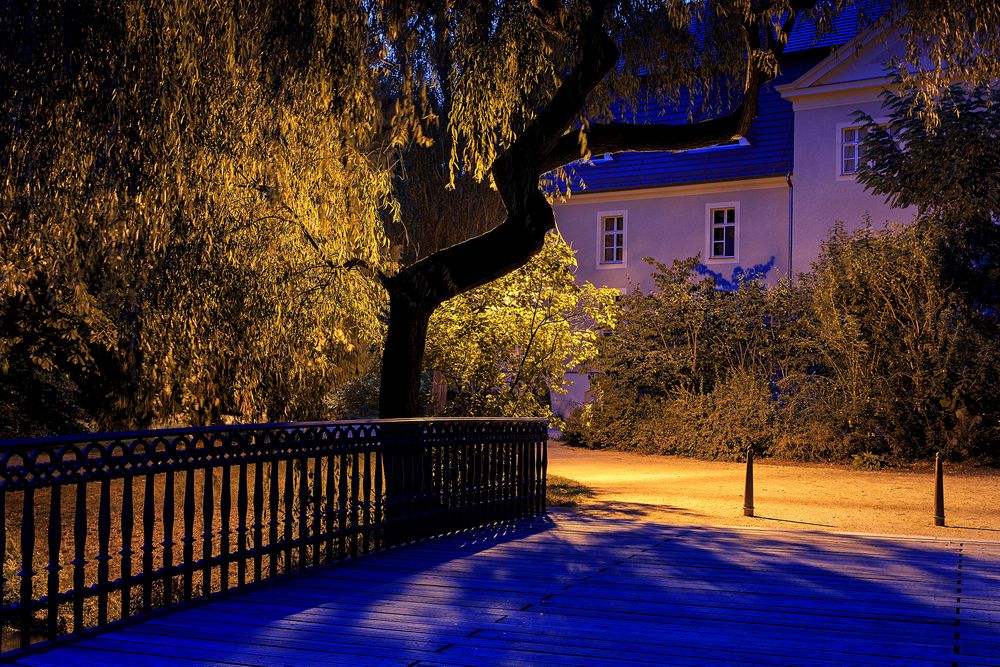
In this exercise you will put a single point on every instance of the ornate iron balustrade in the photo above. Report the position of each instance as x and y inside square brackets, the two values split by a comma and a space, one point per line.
[128, 523]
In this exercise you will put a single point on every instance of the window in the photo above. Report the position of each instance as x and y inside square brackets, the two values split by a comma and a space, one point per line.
[852, 150]
[722, 242]
[612, 239]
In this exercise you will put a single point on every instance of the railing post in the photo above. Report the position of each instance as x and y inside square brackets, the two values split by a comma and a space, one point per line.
[748, 489]
[938, 490]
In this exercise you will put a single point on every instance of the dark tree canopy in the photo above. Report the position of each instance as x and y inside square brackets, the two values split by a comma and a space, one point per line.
[170, 208]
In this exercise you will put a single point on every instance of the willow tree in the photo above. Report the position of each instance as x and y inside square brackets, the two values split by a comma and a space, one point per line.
[180, 185]
[503, 92]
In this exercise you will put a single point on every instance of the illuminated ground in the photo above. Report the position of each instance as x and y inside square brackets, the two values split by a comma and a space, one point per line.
[677, 490]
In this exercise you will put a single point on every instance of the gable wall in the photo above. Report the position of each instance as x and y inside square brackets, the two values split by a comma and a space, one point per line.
[669, 223]
[822, 197]
[824, 102]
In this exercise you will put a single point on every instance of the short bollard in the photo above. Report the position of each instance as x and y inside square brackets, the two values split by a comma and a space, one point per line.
[938, 491]
[748, 491]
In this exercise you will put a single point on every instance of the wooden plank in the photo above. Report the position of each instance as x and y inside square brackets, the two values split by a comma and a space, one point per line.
[583, 591]
[247, 654]
[73, 656]
[625, 638]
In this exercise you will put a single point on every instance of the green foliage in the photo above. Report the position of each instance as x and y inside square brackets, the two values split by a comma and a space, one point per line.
[886, 351]
[900, 345]
[717, 424]
[905, 165]
[905, 158]
[183, 185]
[357, 398]
[35, 403]
[868, 461]
[504, 348]
[691, 369]
[565, 492]
[871, 352]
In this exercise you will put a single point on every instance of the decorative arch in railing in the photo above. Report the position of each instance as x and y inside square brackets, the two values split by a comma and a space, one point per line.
[103, 527]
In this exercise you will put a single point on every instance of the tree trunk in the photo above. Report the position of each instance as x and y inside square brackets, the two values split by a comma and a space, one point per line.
[406, 464]
[399, 394]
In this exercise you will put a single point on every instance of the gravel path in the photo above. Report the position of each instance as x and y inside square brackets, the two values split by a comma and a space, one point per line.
[677, 490]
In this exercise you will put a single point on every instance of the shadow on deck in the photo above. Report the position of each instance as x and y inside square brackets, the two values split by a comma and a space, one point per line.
[571, 590]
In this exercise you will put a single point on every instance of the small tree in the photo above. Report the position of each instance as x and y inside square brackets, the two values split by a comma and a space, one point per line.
[950, 172]
[905, 370]
[505, 347]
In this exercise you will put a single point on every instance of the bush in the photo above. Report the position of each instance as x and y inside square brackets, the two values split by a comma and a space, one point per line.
[887, 351]
[722, 424]
[873, 354]
[869, 461]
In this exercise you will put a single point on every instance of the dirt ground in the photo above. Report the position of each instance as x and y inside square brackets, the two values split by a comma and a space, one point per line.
[833, 498]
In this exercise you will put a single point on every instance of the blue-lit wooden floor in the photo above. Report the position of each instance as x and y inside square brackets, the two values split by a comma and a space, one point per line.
[571, 591]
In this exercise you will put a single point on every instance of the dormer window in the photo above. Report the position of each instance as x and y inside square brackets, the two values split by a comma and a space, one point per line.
[594, 159]
[735, 143]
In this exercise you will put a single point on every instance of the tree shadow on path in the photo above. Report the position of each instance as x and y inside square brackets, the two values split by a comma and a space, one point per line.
[572, 589]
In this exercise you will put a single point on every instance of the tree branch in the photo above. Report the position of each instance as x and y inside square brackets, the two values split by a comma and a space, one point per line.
[355, 263]
[618, 137]
[599, 53]
[479, 260]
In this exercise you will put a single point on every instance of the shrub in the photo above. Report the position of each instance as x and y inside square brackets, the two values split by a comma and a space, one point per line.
[869, 461]
[871, 352]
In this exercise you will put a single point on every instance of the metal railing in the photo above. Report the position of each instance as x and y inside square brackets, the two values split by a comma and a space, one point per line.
[101, 528]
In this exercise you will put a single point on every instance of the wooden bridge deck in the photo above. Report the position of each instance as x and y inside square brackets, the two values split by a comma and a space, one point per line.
[571, 591]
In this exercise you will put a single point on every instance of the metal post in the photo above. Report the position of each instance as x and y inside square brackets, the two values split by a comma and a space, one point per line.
[938, 491]
[748, 491]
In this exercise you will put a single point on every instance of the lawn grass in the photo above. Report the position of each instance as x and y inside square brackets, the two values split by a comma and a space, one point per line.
[566, 492]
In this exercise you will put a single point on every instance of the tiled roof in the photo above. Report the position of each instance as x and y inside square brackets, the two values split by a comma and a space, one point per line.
[770, 148]
[769, 152]
[844, 26]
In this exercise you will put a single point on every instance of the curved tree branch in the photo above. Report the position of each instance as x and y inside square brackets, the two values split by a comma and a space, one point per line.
[481, 259]
[417, 290]
[618, 137]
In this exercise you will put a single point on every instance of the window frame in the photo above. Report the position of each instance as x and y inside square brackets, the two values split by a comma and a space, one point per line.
[601, 236]
[709, 258]
[838, 170]
[842, 146]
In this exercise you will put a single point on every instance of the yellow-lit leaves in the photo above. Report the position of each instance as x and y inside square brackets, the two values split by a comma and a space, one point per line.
[504, 346]
[154, 209]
